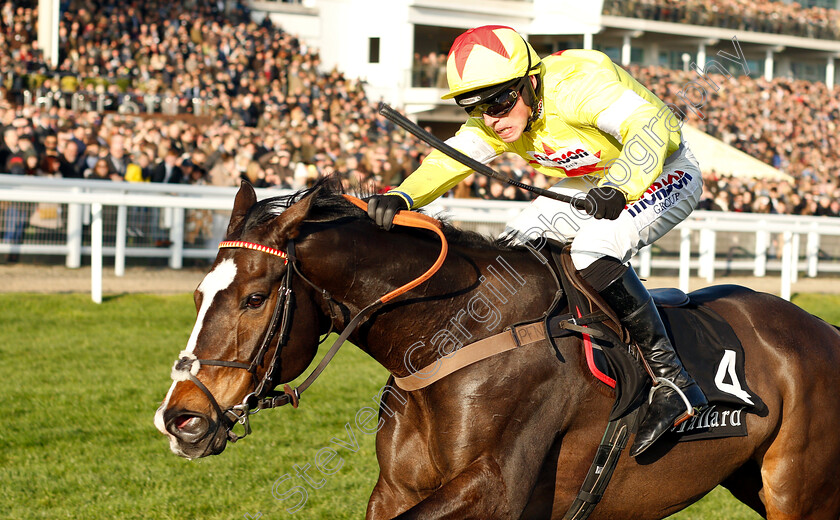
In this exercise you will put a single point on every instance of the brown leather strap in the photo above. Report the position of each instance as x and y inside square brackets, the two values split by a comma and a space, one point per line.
[595, 299]
[511, 338]
[415, 220]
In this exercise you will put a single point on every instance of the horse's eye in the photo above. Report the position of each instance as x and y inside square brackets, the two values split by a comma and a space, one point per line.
[255, 301]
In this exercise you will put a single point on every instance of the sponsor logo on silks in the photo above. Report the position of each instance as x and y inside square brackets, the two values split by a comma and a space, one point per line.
[574, 161]
[662, 194]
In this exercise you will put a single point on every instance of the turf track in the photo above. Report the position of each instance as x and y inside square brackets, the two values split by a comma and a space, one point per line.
[81, 383]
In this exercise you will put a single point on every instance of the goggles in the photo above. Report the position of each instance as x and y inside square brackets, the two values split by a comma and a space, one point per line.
[500, 105]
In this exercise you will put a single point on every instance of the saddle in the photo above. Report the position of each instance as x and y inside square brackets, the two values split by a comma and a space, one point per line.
[610, 355]
[704, 341]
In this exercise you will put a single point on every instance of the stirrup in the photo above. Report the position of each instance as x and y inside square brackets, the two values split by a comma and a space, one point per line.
[667, 382]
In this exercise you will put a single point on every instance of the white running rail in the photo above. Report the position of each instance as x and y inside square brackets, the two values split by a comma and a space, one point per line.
[82, 203]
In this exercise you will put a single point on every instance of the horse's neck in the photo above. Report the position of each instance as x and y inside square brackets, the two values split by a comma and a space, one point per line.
[477, 293]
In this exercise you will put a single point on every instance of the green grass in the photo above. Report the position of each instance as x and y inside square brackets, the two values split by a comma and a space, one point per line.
[81, 383]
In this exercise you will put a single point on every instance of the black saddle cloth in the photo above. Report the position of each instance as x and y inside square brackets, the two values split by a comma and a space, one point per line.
[711, 353]
[707, 347]
[705, 343]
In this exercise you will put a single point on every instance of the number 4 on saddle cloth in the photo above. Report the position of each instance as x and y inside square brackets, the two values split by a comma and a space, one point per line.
[706, 344]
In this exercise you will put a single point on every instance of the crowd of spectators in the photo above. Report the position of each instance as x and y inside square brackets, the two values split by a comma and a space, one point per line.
[429, 70]
[789, 124]
[767, 16]
[279, 120]
[282, 121]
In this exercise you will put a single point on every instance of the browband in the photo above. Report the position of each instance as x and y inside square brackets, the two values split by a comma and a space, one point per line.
[256, 247]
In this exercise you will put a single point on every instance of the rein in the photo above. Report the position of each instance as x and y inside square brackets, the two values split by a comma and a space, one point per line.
[186, 368]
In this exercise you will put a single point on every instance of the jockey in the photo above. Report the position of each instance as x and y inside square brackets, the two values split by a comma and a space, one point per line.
[576, 116]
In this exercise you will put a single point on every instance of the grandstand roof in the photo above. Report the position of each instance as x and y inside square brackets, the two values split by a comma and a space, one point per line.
[714, 154]
[720, 33]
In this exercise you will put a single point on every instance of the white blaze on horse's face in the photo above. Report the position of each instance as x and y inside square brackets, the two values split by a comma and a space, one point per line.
[215, 282]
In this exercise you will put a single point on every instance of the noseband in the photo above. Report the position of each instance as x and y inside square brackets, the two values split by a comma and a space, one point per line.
[187, 366]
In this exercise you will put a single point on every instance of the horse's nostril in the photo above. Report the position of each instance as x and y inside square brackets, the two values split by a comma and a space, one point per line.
[184, 420]
[188, 426]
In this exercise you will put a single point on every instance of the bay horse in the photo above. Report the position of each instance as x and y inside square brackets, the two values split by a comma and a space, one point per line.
[511, 436]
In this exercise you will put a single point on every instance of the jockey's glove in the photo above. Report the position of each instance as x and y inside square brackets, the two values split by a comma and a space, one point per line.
[382, 208]
[605, 202]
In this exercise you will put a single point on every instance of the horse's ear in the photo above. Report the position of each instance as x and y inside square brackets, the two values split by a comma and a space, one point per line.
[288, 225]
[245, 198]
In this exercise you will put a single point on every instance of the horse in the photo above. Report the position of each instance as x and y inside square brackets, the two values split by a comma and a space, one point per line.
[508, 437]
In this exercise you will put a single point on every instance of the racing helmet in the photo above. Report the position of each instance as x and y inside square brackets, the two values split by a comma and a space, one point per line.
[486, 60]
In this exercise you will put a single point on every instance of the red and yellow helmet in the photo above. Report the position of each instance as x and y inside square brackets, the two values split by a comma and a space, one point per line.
[485, 60]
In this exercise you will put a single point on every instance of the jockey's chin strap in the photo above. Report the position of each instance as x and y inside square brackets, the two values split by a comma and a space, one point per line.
[263, 397]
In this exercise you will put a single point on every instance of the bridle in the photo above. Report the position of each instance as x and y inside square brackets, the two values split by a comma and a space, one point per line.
[279, 327]
[263, 395]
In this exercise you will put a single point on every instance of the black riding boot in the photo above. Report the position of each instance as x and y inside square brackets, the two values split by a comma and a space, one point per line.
[637, 312]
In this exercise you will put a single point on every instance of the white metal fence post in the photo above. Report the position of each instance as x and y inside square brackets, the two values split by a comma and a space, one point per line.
[794, 258]
[644, 262]
[176, 236]
[119, 245]
[74, 234]
[96, 252]
[701, 253]
[787, 260]
[685, 258]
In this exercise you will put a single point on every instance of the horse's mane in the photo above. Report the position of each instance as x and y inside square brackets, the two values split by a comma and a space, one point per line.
[329, 206]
